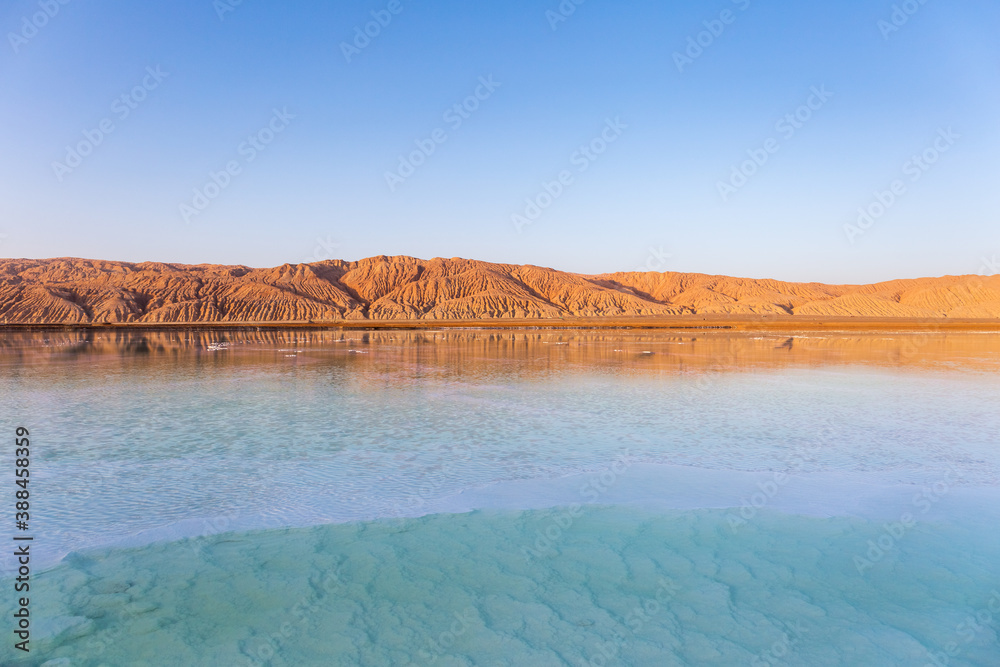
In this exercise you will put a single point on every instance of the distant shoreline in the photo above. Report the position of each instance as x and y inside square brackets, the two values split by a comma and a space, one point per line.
[694, 322]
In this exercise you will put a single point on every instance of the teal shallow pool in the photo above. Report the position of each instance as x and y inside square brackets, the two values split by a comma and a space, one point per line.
[524, 498]
[615, 585]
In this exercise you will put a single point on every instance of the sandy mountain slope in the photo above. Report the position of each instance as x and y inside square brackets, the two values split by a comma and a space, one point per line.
[70, 291]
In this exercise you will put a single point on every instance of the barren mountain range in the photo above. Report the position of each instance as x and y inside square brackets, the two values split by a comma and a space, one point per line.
[83, 291]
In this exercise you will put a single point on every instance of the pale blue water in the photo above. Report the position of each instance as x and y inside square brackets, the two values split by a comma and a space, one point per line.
[205, 487]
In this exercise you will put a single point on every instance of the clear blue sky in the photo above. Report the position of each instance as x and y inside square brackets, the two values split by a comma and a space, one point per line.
[681, 130]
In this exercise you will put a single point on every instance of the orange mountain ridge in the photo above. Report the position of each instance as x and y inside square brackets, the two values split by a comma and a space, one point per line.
[82, 291]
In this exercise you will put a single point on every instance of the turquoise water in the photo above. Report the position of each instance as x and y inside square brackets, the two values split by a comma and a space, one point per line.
[472, 498]
[643, 588]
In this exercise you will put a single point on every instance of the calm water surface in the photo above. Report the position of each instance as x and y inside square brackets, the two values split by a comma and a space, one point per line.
[527, 497]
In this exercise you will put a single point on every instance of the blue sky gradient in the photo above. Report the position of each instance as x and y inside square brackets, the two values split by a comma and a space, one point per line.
[650, 198]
